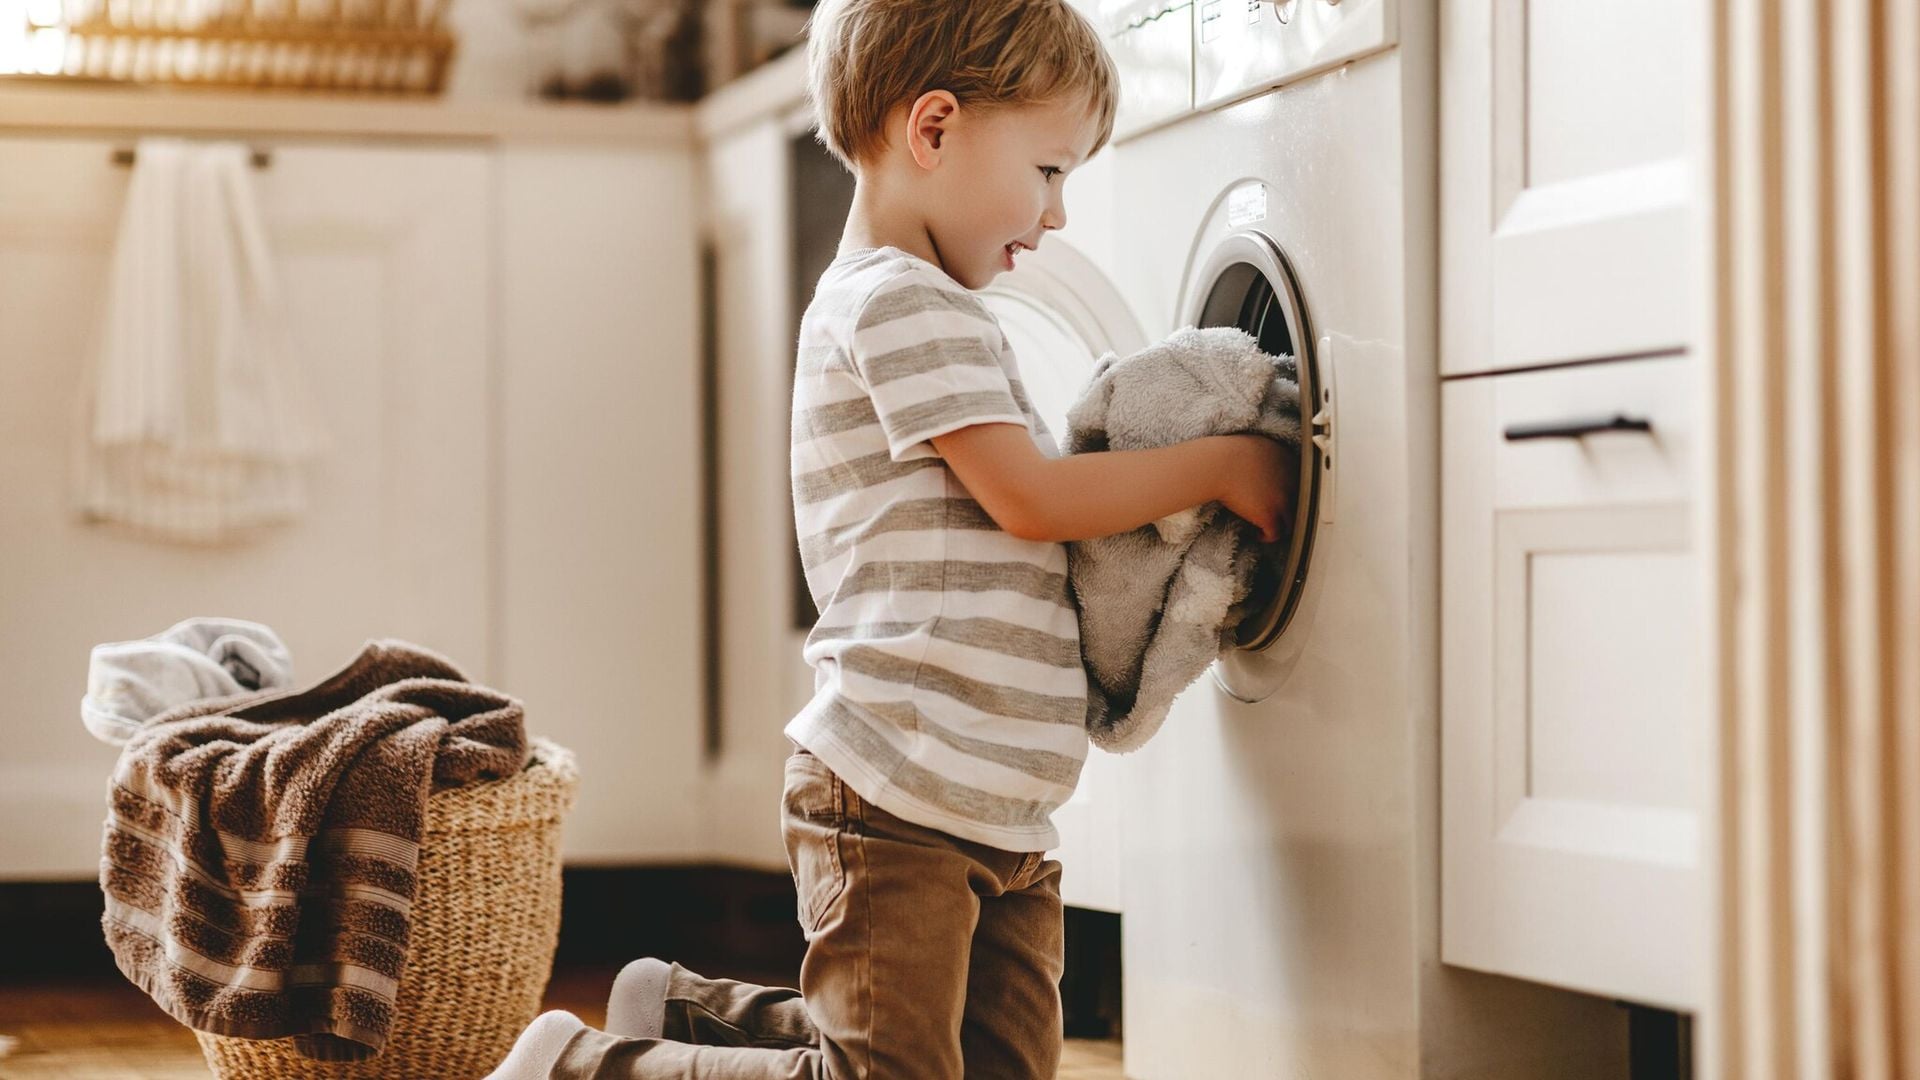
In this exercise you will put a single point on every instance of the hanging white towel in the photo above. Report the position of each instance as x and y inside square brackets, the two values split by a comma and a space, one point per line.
[194, 424]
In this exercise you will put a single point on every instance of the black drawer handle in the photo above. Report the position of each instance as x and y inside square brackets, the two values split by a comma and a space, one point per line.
[1574, 429]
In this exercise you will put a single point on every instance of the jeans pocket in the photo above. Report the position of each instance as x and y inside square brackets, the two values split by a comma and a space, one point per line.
[813, 818]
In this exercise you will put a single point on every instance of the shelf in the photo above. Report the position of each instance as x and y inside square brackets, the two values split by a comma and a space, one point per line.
[37, 105]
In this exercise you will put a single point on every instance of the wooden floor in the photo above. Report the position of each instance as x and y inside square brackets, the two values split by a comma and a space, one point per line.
[105, 1029]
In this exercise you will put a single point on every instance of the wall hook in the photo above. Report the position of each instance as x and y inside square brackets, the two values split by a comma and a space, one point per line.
[261, 158]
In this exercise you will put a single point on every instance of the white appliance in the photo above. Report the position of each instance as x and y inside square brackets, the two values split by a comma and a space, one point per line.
[1278, 840]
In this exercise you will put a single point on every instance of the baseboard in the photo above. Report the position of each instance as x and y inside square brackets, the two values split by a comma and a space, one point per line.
[713, 919]
[723, 917]
[716, 915]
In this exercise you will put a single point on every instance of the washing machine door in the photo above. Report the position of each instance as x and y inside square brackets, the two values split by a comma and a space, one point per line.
[1248, 282]
[1061, 314]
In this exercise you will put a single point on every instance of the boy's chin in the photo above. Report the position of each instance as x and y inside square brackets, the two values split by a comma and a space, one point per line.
[981, 277]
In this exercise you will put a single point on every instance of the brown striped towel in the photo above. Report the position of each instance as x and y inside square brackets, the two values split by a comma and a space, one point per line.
[259, 850]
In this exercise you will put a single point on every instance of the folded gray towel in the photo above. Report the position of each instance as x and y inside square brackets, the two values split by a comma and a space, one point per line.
[259, 854]
[1159, 603]
[131, 682]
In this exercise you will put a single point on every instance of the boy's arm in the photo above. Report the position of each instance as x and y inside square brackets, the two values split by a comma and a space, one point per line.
[1082, 496]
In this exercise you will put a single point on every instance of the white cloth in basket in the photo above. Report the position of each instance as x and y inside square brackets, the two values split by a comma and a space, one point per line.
[131, 682]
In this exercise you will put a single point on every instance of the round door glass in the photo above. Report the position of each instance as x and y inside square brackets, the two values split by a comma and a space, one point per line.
[1249, 284]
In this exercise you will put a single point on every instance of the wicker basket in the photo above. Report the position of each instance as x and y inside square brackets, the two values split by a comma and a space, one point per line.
[486, 919]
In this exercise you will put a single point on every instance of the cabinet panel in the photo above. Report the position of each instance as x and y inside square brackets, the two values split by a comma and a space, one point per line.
[1566, 181]
[384, 260]
[763, 680]
[1598, 640]
[600, 592]
[1597, 98]
[1572, 731]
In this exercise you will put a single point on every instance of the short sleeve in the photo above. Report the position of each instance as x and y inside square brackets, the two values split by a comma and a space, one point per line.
[925, 350]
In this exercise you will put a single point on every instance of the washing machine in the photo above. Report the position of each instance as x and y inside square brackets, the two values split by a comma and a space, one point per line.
[1274, 169]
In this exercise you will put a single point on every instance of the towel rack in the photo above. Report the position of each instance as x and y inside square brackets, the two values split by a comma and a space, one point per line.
[261, 158]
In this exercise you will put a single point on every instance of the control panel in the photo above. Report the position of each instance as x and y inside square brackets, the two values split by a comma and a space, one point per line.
[1151, 42]
[1242, 47]
[1178, 56]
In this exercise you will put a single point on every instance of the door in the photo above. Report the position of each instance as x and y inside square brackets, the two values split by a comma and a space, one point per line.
[383, 257]
[1572, 729]
[1565, 181]
[1571, 634]
[600, 527]
[1247, 282]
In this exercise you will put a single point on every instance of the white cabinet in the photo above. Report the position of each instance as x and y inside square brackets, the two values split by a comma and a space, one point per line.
[1565, 181]
[384, 258]
[598, 615]
[1572, 732]
[502, 342]
[763, 680]
[1572, 640]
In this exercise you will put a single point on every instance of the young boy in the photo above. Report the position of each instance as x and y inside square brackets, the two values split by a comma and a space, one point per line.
[947, 721]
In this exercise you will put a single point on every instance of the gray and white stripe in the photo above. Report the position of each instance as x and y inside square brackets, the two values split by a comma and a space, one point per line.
[947, 652]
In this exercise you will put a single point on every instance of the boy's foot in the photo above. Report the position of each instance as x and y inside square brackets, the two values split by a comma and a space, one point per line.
[538, 1049]
[637, 1008]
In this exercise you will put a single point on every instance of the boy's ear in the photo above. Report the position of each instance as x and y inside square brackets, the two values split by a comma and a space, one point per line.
[928, 123]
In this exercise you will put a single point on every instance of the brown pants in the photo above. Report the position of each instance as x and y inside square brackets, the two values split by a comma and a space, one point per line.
[927, 956]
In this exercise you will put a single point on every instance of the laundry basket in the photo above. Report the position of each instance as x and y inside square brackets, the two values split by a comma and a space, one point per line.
[486, 918]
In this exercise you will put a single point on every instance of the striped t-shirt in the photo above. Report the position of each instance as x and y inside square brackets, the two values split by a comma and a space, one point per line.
[948, 687]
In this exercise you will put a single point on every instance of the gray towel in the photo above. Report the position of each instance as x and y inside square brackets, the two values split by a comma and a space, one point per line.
[259, 853]
[1159, 603]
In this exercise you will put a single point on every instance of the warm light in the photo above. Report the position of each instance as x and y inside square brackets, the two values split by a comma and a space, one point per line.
[49, 51]
[13, 35]
[33, 37]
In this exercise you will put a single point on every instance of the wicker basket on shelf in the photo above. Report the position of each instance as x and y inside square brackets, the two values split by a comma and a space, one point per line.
[486, 920]
[359, 46]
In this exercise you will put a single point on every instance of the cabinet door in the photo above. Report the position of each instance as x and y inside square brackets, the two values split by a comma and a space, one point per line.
[763, 680]
[1572, 734]
[383, 257]
[600, 525]
[1565, 181]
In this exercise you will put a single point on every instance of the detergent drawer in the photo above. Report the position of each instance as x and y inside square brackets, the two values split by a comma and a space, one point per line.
[1245, 47]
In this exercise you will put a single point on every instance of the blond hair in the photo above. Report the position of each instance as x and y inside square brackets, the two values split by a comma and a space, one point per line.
[866, 57]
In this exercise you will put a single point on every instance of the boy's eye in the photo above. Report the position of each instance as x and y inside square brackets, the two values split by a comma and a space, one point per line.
[1049, 171]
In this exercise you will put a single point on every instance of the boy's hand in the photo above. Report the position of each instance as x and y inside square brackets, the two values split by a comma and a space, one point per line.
[1082, 496]
[1263, 484]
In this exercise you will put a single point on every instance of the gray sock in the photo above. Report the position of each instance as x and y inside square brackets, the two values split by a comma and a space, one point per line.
[539, 1047]
[637, 1008]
